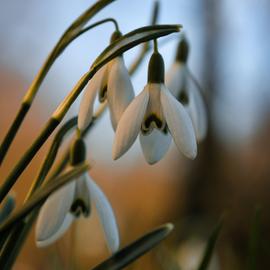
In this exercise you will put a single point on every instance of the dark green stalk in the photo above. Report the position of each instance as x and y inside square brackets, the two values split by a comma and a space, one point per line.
[254, 240]
[13, 130]
[210, 246]
[146, 46]
[9, 249]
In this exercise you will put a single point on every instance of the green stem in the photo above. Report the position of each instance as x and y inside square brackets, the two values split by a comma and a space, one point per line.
[13, 130]
[18, 235]
[146, 46]
[27, 157]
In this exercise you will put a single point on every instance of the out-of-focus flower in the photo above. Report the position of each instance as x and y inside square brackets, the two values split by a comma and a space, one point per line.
[177, 79]
[111, 82]
[69, 203]
[157, 116]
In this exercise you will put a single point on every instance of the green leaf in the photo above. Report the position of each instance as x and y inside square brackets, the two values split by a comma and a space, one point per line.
[209, 250]
[136, 249]
[40, 196]
[254, 240]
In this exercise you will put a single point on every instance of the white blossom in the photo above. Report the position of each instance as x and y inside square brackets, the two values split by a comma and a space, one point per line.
[157, 116]
[70, 202]
[111, 83]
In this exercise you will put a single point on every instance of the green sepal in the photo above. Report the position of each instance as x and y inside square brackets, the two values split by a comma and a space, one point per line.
[156, 68]
[182, 51]
[77, 152]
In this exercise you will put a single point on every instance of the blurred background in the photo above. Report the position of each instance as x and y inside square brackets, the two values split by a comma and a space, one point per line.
[230, 58]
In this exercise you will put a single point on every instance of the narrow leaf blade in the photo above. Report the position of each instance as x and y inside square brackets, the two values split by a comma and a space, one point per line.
[209, 250]
[136, 249]
[254, 240]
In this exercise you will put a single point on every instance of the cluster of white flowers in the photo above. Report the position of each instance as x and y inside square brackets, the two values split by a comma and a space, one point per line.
[158, 114]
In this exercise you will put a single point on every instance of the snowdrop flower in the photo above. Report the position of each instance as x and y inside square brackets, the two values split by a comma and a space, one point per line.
[157, 116]
[72, 201]
[177, 81]
[111, 83]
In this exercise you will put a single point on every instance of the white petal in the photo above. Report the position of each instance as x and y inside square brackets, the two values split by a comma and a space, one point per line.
[130, 124]
[63, 228]
[197, 112]
[106, 215]
[88, 98]
[120, 90]
[155, 145]
[176, 78]
[179, 124]
[53, 213]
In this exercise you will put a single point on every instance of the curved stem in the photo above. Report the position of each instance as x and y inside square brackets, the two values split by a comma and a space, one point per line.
[146, 46]
[155, 46]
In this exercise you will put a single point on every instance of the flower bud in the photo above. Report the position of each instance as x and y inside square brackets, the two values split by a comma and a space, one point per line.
[116, 35]
[182, 51]
[77, 152]
[156, 69]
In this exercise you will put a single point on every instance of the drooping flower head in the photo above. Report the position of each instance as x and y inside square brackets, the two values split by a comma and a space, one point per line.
[157, 116]
[177, 80]
[73, 201]
[111, 83]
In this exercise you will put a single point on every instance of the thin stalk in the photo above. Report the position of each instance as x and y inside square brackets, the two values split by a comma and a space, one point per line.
[13, 130]
[18, 235]
[146, 46]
